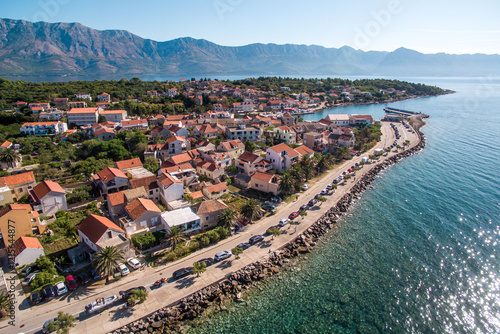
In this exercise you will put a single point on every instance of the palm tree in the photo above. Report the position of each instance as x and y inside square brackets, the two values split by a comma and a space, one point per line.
[61, 324]
[322, 164]
[4, 301]
[9, 157]
[287, 184]
[138, 296]
[199, 268]
[227, 218]
[108, 259]
[250, 209]
[322, 199]
[275, 232]
[175, 236]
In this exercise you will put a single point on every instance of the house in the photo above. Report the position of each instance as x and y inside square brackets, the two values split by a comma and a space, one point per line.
[104, 97]
[179, 131]
[304, 150]
[48, 197]
[265, 182]
[43, 128]
[156, 120]
[243, 106]
[160, 131]
[209, 212]
[346, 140]
[339, 119]
[284, 134]
[142, 215]
[185, 218]
[5, 195]
[114, 115]
[26, 222]
[234, 148]
[110, 180]
[314, 140]
[77, 104]
[98, 232]
[83, 116]
[51, 114]
[172, 92]
[83, 96]
[282, 156]
[287, 119]
[244, 133]
[136, 124]
[177, 145]
[125, 165]
[61, 102]
[117, 201]
[171, 189]
[27, 250]
[220, 159]
[208, 131]
[248, 163]
[210, 170]
[216, 190]
[150, 186]
[19, 184]
[360, 120]
[105, 134]
[38, 107]
[5, 145]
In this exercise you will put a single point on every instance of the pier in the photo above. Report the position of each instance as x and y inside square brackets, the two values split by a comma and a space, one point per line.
[402, 112]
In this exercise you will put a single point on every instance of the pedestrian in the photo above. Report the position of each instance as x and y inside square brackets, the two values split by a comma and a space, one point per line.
[295, 229]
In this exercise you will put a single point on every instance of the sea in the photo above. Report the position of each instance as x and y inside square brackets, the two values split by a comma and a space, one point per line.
[418, 253]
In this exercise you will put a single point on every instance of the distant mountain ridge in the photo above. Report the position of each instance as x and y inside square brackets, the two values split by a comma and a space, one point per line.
[71, 49]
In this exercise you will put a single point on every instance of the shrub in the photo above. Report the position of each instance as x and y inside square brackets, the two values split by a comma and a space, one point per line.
[213, 236]
[223, 232]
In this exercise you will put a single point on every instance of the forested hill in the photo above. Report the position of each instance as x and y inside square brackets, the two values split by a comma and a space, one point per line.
[70, 49]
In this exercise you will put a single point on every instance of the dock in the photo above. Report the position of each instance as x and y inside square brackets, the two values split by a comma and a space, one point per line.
[402, 112]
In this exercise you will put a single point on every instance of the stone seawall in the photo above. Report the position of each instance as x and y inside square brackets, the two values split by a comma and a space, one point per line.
[170, 318]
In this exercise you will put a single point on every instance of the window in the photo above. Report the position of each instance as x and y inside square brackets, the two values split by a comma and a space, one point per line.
[110, 234]
[1, 197]
[154, 220]
[144, 223]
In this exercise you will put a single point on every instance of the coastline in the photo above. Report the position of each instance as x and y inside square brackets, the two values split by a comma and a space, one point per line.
[172, 316]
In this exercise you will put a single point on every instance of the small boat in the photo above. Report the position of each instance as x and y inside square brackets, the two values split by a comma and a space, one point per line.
[100, 304]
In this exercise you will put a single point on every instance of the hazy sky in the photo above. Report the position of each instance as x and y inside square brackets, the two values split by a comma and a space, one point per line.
[428, 26]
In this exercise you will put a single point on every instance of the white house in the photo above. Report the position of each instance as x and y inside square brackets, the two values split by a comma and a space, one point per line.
[98, 232]
[114, 115]
[282, 156]
[339, 119]
[48, 198]
[27, 250]
[171, 189]
[185, 218]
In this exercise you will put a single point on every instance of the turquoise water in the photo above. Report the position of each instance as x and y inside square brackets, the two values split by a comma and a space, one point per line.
[418, 253]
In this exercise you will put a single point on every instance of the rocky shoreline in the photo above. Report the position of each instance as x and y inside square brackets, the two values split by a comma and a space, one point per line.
[170, 318]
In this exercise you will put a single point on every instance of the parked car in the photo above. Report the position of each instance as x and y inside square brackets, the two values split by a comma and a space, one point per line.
[324, 192]
[305, 186]
[244, 245]
[29, 278]
[243, 220]
[35, 297]
[222, 255]
[28, 269]
[127, 293]
[293, 215]
[46, 326]
[83, 278]
[208, 261]
[335, 181]
[312, 202]
[61, 288]
[71, 282]
[283, 222]
[276, 199]
[268, 206]
[134, 263]
[123, 269]
[255, 239]
[182, 273]
[316, 196]
[329, 187]
[303, 207]
[48, 292]
[94, 274]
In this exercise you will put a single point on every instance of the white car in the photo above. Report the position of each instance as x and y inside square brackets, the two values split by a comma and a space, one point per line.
[283, 222]
[124, 269]
[305, 187]
[134, 263]
[61, 288]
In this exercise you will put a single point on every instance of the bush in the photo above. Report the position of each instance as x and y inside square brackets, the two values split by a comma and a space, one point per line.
[223, 232]
[213, 236]
[204, 240]
[41, 279]
[44, 264]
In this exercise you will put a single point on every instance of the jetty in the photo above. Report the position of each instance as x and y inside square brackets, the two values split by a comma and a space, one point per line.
[402, 112]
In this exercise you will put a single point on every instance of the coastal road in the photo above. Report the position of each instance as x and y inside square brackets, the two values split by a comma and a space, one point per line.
[30, 320]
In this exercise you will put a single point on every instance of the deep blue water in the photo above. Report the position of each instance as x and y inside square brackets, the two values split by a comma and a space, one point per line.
[419, 253]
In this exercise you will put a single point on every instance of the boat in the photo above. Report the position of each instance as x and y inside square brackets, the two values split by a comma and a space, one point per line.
[100, 304]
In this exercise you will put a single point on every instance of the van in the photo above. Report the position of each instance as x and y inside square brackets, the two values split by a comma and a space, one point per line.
[364, 159]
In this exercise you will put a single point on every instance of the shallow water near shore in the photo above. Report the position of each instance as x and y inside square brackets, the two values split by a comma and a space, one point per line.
[417, 254]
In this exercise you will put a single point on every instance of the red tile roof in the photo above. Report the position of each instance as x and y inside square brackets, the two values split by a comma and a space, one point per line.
[26, 242]
[266, 177]
[116, 198]
[45, 187]
[217, 187]
[94, 227]
[110, 173]
[148, 182]
[13, 180]
[284, 147]
[210, 206]
[6, 144]
[83, 110]
[126, 164]
[140, 206]
[303, 149]
[167, 180]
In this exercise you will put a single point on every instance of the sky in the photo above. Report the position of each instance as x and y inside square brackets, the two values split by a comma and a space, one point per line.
[428, 26]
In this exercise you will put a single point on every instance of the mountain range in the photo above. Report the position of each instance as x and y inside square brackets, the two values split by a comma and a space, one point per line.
[42, 49]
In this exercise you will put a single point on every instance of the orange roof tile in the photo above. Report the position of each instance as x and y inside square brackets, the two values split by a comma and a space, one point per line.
[26, 242]
[45, 187]
[6, 144]
[83, 110]
[303, 149]
[110, 173]
[126, 164]
[266, 177]
[284, 147]
[217, 187]
[210, 206]
[13, 180]
[116, 198]
[139, 206]
[94, 227]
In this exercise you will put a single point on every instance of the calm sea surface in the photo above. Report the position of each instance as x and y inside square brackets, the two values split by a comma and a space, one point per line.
[419, 253]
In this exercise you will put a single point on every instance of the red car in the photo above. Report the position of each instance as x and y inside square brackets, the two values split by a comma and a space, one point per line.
[293, 215]
[71, 282]
[243, 220]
